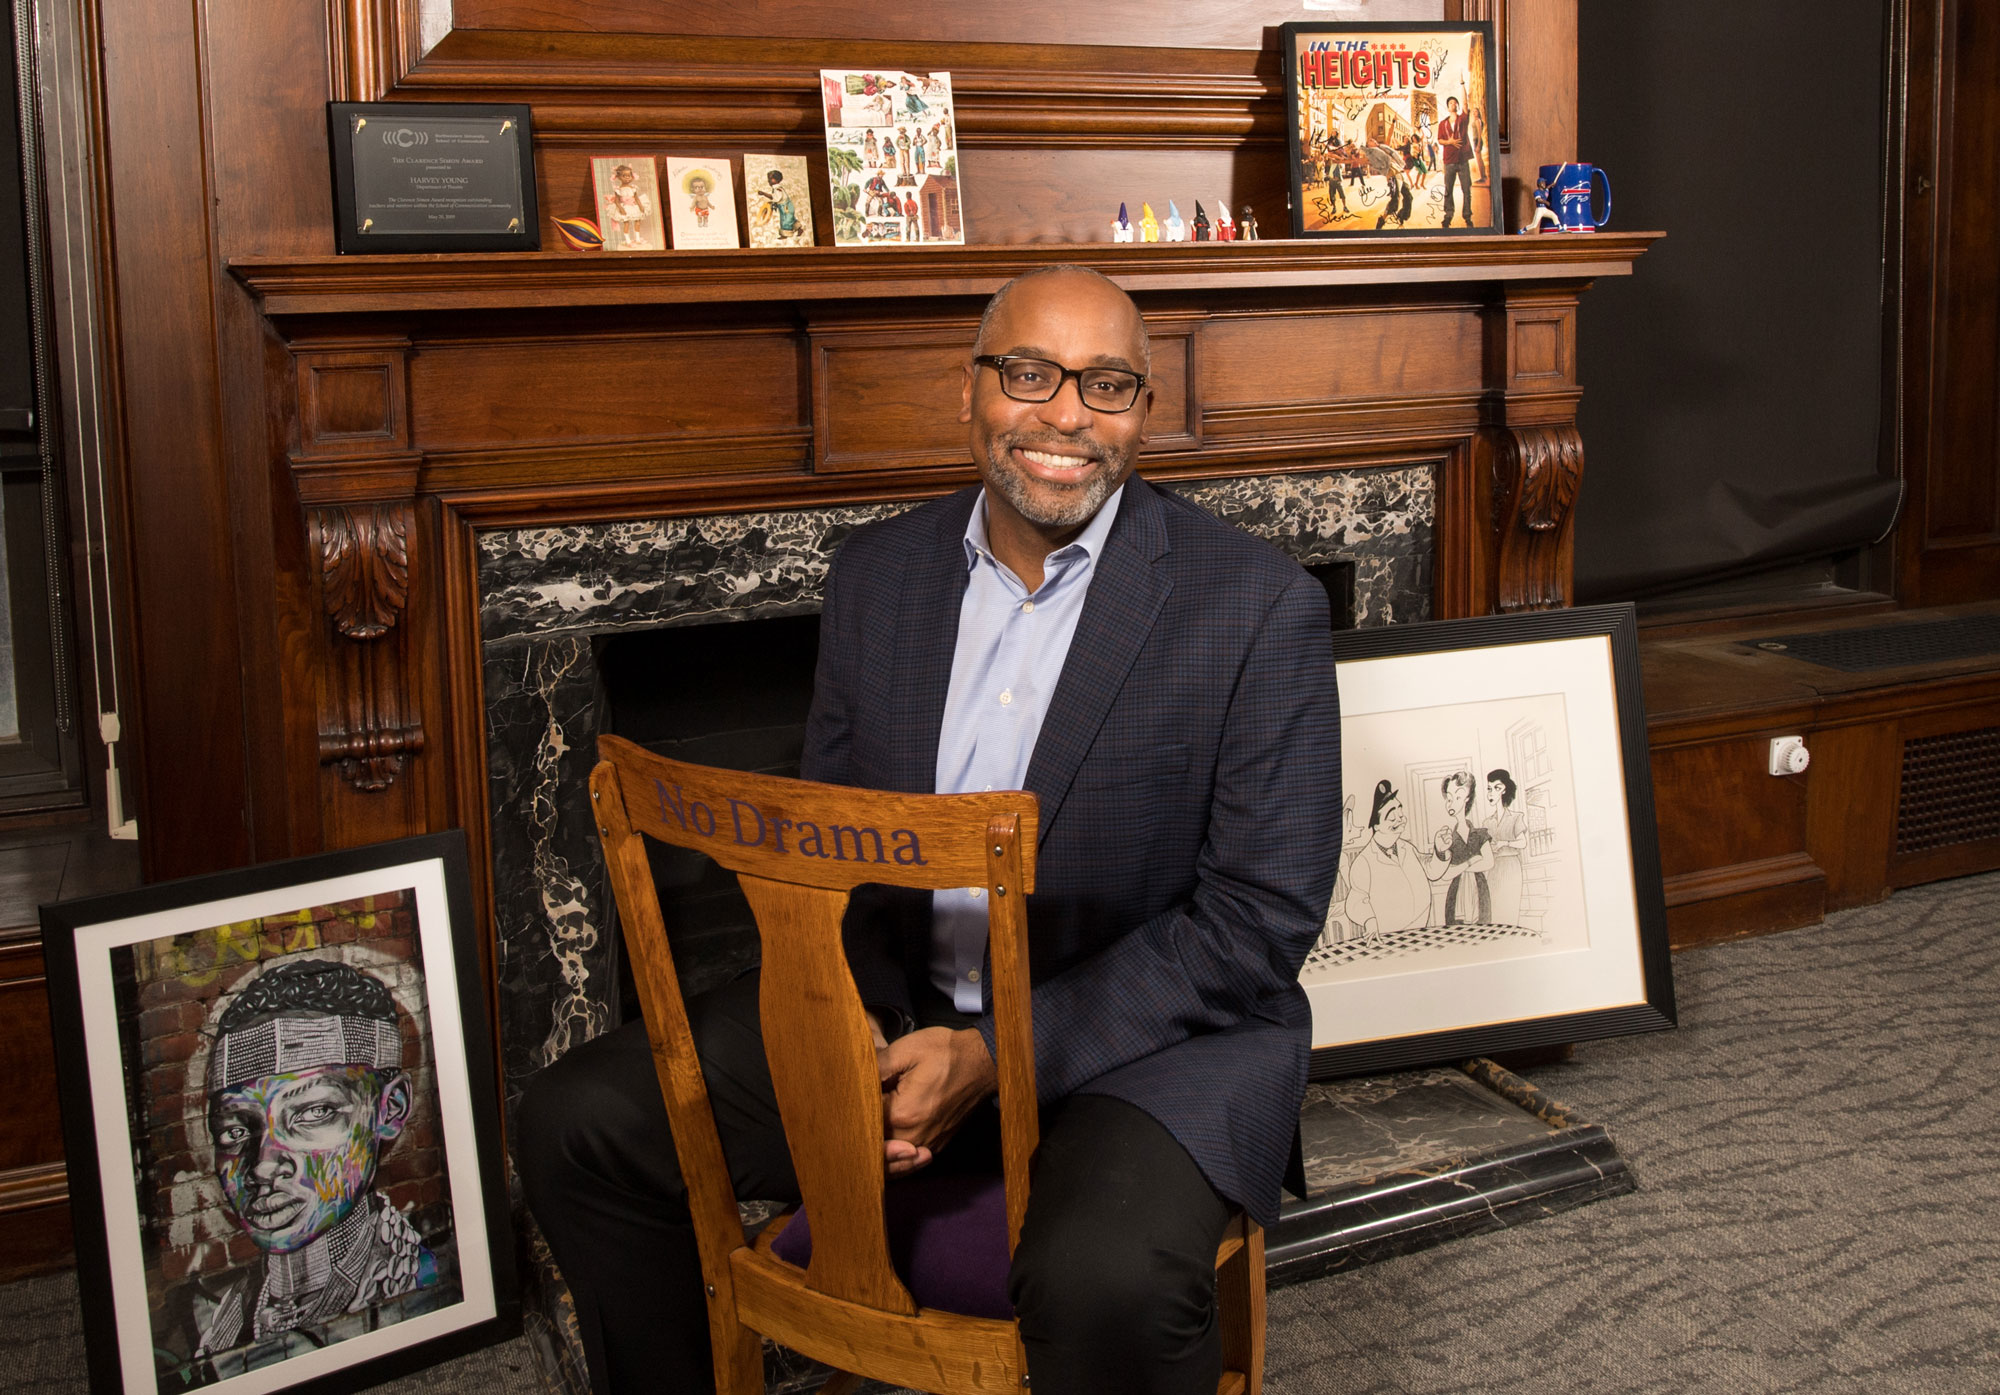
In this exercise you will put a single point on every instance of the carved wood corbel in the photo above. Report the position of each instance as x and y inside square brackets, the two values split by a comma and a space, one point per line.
[368, 724]
[1536, 478]
[356, 476]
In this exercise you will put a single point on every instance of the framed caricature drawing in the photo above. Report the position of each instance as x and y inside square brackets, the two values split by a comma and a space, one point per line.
[1499, 883]
[281, 1118]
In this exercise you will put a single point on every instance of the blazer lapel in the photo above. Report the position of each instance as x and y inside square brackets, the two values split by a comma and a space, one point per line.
[1127, 591]
[926, 639]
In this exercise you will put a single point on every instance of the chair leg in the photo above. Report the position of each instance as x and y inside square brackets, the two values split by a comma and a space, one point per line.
[739, 1354]
[1239, 1295]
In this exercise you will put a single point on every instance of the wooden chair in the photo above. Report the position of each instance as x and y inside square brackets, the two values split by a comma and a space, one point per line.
[799, 849]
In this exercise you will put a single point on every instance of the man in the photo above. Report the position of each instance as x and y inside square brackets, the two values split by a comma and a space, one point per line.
[1455, 147]
[305, 1091]
[1163, 683]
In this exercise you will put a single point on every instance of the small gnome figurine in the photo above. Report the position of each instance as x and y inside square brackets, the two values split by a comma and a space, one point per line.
[1200, 223]
[1176, 225]
[1246, 226]
[1149, 226]
[1225, 226]
[1121, 231]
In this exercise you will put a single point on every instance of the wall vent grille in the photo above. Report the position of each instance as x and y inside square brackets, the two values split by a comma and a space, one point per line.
[1950, 790]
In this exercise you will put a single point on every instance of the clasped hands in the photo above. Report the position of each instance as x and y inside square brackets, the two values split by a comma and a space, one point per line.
[931, 1079]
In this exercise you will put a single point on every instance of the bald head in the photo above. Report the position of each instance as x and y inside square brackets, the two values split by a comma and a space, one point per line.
[1055, 280]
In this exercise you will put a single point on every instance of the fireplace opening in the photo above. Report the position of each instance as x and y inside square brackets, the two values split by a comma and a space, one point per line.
[732, 695]
[735, 695]
[1338, 579]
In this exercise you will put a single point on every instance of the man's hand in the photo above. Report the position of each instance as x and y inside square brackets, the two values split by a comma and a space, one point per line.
[931, 1080]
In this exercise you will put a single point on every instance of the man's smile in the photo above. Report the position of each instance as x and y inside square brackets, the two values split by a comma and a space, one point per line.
[1058, 466]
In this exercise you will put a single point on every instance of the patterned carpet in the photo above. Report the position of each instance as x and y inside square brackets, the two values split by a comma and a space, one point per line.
[1819, 1207]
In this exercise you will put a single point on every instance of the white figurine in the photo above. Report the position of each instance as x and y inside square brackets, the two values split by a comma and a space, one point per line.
[1121, 231]
[1225, 226]
[1176, 227]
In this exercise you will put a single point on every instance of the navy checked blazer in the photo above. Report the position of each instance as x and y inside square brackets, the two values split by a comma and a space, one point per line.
[1189, 778]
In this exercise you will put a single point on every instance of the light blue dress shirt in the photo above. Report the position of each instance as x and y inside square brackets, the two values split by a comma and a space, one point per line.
[1010, 654]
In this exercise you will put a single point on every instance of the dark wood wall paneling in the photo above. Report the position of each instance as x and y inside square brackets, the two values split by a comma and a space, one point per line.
[1744, 852]
[308, 445]
[1948, 544]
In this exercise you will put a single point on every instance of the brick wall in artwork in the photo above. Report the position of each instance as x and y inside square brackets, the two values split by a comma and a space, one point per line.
[183, 984]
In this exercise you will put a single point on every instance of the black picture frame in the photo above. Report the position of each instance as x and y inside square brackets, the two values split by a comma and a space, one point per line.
[423, 147]
[146, 986]
[1416, 985]
[1378, 156]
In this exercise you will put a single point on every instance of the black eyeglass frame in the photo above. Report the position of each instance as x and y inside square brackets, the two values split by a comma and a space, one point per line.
[998, 363]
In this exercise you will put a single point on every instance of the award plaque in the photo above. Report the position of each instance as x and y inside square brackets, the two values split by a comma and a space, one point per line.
[426, 177]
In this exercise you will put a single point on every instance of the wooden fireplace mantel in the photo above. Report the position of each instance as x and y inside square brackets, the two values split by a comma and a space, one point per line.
[425, 398]
[543, 280]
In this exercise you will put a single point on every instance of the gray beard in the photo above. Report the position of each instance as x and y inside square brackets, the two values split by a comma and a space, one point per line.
[1078, 505]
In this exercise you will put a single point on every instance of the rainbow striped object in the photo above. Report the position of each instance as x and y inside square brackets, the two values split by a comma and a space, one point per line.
[580, 233]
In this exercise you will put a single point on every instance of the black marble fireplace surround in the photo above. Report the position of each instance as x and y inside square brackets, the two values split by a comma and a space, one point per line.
[552, 597]
[575, 629]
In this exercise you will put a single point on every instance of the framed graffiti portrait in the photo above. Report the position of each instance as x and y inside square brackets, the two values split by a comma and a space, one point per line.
[281, 1115]
[1390, 128]
[1499, 883]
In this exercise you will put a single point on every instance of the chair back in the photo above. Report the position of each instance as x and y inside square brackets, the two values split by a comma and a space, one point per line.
[799, 849]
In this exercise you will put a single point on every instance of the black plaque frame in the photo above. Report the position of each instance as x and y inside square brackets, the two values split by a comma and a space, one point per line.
[348, 236]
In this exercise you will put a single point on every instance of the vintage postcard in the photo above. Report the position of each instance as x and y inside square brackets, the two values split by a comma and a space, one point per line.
[777, 200]
[892, 157]
[1391, 128]
[702, 195]
[628, 203]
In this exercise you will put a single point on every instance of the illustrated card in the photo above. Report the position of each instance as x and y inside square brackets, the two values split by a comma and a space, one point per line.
[628, 203]
[702, 195]
[892, 157]
[778, 200]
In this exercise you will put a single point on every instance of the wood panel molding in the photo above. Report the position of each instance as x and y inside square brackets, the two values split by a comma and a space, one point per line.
[31, 1188]
[312, 286]
[1192, 78]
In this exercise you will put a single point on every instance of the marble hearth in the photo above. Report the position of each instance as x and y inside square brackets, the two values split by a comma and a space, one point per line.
[549, 597]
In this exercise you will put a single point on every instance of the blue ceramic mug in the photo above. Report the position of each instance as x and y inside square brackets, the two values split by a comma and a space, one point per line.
[1567, 190]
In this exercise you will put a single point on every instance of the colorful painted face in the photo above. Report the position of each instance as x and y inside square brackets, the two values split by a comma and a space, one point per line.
[296, 1151]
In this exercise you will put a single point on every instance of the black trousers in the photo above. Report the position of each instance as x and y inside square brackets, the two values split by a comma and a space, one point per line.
[1458, 174]
[1113, 1282]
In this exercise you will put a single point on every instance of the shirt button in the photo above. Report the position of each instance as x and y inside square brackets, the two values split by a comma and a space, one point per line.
[1027, 607]
[976, 892]
[972, 977]
[1006, 697]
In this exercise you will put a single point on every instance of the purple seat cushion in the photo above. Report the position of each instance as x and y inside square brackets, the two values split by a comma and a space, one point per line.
[947, 1239]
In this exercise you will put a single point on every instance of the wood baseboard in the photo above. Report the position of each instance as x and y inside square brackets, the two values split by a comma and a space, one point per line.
[34, 1221]
[1746, 852]
[1747, 898]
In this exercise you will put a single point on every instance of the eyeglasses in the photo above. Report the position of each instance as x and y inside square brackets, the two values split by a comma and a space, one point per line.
[1038, 380]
